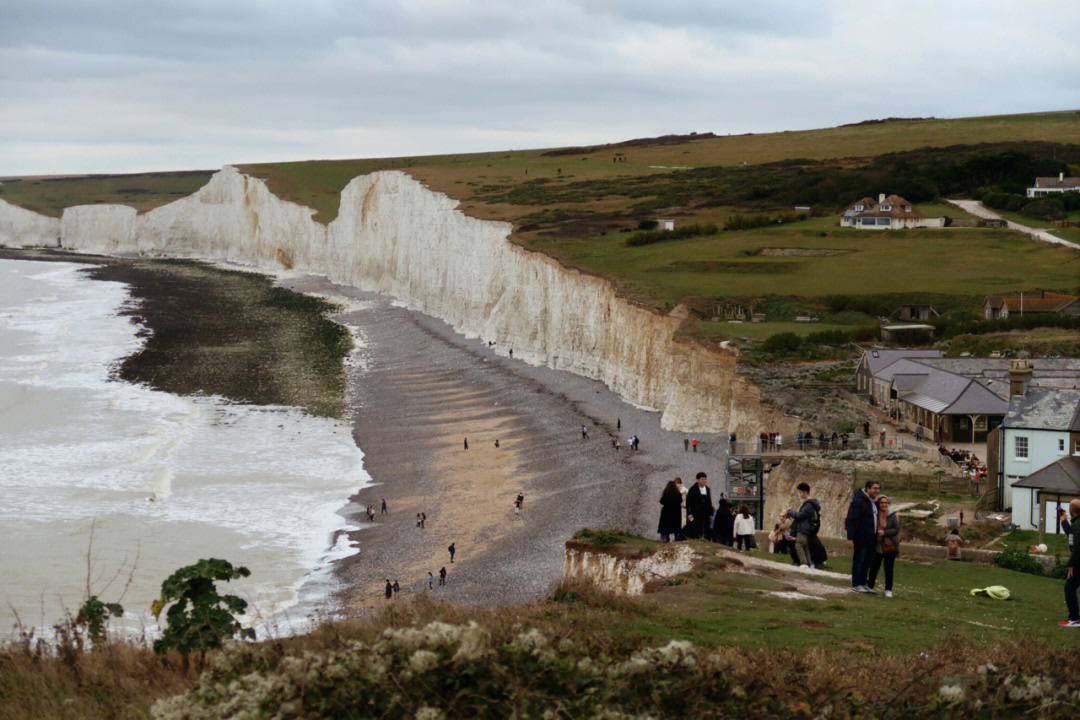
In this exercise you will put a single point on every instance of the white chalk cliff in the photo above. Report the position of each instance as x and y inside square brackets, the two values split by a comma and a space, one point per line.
[394, 236]
[23, 228]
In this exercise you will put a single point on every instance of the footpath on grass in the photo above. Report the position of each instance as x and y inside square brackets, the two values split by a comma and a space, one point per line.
[977, 209]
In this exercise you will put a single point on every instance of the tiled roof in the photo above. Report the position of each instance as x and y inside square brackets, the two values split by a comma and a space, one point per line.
[1044, 409]
[898, 208]
[878, 360]
[1053, 182]
[1062, 476]
[1046, 302]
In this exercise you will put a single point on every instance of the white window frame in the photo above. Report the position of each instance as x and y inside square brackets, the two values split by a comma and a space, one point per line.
[1016, 448]
[886, 208]
[1061, 445]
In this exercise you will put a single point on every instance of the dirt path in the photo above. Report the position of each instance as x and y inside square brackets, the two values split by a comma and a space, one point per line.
[977, 209]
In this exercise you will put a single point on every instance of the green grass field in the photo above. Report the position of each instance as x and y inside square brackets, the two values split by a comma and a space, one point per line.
[964, 261]
[932, 601]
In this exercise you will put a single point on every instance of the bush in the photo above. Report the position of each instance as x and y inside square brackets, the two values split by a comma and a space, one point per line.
[1045, 209]
[1017, 559]
[198, 618]
[784, 342]
[647, 225]
[649, 237]
[94, 616]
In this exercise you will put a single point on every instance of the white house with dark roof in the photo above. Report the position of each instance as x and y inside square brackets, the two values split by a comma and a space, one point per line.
[888, 213]
[1053, 186]
[1041, 428]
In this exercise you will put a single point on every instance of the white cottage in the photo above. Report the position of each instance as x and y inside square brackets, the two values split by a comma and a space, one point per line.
[1041, 429]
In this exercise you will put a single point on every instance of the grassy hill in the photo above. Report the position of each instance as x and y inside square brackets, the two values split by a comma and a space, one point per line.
[580, 205]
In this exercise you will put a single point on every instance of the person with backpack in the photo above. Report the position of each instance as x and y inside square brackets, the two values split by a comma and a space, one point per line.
[807, 522]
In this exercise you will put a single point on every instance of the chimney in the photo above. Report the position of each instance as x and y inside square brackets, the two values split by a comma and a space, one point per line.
[881, 199]
[1019, 377]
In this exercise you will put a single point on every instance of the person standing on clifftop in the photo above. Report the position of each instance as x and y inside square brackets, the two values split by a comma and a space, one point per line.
[699, 507]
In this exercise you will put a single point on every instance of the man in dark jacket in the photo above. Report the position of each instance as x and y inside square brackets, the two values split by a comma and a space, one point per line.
[1072, 575]
[699, 507]
[807, 522]
[861, 528]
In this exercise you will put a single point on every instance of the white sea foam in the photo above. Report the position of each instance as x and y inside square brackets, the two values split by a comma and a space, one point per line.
[163, 480]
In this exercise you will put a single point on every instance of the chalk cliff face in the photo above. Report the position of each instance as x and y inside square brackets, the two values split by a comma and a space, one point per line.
[395, 236]
[24, 228]
[626, 575]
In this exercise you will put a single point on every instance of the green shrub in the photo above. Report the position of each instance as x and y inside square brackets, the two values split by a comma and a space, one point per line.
[785, 342]
[650, 237]
[198, 617]
[94, 616]
[1045, 209]
[1017, 559]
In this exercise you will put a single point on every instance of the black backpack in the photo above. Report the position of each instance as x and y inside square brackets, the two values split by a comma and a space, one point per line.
[815, 521]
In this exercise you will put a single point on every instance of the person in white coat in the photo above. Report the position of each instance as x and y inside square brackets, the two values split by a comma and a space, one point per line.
[744, 528]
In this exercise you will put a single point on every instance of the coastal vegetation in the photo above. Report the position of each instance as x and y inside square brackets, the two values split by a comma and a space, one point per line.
[235, 334]
[214, 331]
[707, 643]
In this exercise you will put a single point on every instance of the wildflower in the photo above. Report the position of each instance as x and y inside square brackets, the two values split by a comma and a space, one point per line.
[423, 660]
[430, 713]
[951, 693]
[532, 641]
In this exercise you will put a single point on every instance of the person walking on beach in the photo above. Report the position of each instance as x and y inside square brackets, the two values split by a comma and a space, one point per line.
[397, 588]
[670, 512]
[685, 444]
[861, 528]
[615, 444]
[699, 507]
[384, 506]
[466, 443]
[430, 581]
[496, 443]
[1072, 574]
[888, 545]
[807, 522]
[452, 550]
[584, 433]
[618, 423]
[511, 352]
[389, 589]
[442, 575]
[694, 444]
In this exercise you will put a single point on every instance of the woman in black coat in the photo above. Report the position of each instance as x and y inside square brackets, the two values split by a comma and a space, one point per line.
[724, 522]
[670, 512]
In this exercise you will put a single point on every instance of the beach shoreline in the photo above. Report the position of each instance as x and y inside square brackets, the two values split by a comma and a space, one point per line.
[423, 388]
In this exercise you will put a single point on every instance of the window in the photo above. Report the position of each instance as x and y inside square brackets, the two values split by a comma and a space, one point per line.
[1076, 448]
[1021, 448]
[1061, 445]
[886, 208]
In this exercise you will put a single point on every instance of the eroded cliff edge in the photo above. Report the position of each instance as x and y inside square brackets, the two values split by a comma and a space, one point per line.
[394, 236]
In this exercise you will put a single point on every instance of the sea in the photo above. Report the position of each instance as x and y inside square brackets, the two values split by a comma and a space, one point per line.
[107, 487]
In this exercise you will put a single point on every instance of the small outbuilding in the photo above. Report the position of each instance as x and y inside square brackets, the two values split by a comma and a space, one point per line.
[916, 313]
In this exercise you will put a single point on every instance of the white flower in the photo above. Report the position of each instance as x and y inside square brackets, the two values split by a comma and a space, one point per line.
[429, 713]
[951, 693]
[532, 641]
[422, 661]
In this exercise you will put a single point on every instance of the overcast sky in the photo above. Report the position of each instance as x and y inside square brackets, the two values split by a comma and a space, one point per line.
[135, 85]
